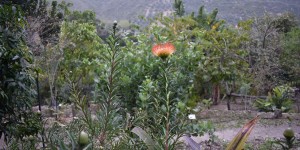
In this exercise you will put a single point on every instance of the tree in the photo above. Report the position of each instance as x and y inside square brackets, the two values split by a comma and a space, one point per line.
[223, 59]
[42, 37]
[16, 93]
[208, 20]
[81, 49]
[219, 43]
[265, 49]
[179, 8]
[290, 57]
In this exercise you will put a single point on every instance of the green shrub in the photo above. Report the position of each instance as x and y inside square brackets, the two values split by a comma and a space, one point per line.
[16, 82]
[278, 99]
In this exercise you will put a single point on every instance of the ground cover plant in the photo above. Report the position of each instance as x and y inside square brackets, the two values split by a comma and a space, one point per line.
[151, 87]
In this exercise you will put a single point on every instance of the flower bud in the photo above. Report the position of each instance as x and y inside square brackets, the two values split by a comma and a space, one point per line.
[83, 139]
[31, 138]
[38, 112]
[288, 133]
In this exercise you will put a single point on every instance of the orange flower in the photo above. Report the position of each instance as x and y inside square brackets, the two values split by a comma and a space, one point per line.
[163, 50]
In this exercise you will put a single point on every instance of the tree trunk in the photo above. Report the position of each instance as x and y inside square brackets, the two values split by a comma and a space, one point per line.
[228, 101]
[53, 93]
[232, 90]
[216, 94]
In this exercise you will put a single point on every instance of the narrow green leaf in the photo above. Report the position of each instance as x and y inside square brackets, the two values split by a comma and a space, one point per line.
[145, 137]
[239, 140]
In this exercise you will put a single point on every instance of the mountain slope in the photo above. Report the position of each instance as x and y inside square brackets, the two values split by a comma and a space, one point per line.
[230, 10]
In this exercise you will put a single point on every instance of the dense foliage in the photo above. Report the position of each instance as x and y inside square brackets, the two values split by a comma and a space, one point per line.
[16, 83]
[279, 99]
[290, 58]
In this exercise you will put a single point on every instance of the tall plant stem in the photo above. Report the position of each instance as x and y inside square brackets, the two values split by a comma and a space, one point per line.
[165, 69]
[40, 103]
[111, 84]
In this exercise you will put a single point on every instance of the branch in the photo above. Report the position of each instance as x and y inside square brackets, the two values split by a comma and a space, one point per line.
[249, 96]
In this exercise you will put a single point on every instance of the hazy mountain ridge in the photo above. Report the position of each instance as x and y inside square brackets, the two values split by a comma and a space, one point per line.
[230, 10]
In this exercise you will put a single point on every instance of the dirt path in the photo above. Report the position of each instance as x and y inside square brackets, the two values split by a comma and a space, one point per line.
[228, 123]
[260, 132]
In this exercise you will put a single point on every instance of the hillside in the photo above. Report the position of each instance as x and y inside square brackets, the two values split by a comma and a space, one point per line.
[235, 10]
[230, 10]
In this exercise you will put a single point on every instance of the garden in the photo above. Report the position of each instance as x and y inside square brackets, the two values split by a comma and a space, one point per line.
[69, 81]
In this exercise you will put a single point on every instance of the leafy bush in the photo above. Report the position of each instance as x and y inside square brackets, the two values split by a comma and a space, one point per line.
[16, 92]
[290, 58]
[278, 99]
